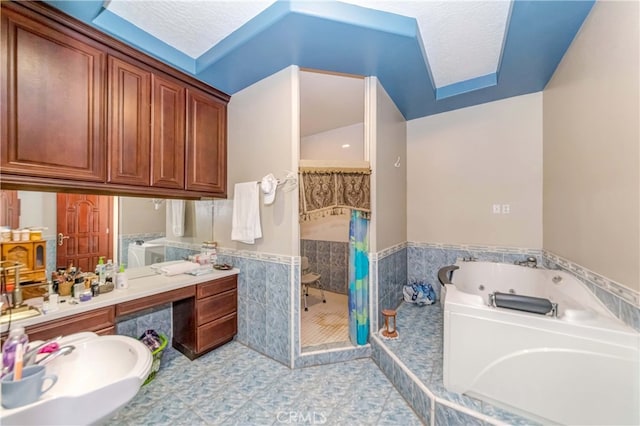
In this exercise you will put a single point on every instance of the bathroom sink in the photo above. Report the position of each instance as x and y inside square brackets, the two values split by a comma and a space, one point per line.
[101, 375]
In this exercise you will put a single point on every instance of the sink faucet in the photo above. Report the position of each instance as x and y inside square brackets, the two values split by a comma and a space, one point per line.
[63, 350]
[30, 355]
[531, 262]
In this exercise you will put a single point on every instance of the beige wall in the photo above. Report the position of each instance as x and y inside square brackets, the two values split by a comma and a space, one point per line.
[389, 183]
[330, 228]
[263, 137]
[591, 147]
[138, 216]
[462, 162]
[198, 222]
[38, 209]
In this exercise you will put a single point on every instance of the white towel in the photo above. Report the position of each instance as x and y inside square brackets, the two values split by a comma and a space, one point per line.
[179, 268]
[177, 217]
[245, 223]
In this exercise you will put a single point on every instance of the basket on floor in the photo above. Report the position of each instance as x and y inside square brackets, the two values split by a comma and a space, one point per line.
[157, 358]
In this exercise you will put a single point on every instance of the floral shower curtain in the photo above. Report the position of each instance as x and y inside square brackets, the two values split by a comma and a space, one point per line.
[358, 278]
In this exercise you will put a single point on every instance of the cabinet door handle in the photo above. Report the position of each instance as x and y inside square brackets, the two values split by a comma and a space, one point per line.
[61, 238]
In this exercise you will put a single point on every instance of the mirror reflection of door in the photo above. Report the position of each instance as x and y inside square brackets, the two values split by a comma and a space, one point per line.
[84, 225]
[9, 209]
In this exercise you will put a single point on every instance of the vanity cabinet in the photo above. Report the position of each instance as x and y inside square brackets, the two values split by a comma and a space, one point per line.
[82, 111]
[100, 321]
[52, 100]
[32, 254]
[207, 321]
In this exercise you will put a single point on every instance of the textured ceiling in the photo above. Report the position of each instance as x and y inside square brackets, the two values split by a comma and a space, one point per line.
[462, 39]
[429, 56]
[193, 27]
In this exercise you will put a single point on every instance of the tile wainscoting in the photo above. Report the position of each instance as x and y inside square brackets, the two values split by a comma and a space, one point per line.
[425, 259]
[330, 259]
[389, 270]
[623, 302]
[264, 301]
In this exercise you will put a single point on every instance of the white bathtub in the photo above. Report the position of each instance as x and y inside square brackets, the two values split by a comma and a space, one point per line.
[579, 368]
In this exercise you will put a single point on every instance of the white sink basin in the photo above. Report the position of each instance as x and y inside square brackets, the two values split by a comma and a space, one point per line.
[101, 375]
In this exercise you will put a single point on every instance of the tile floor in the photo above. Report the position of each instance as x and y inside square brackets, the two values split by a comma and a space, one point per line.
[235, 385]
[325, 322]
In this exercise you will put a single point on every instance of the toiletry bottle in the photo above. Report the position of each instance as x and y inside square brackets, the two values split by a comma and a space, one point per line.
[109, 272]
[121, 279]
[100, 270]
[95, 287]
[17, 336]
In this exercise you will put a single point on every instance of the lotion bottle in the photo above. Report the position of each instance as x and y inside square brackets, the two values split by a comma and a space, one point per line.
[121, 279]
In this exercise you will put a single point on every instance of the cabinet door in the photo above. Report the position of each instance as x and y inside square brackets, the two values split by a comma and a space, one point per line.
[19, 252]
[129, 123]
[206, 143]
[167, 140]
[52, 101]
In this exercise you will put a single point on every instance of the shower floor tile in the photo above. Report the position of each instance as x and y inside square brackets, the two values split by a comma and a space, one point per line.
[324, 322]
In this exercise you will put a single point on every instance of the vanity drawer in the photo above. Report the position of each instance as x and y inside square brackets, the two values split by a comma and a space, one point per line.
[216, 332]
[217, 286]
[97, 320]
[217, 306]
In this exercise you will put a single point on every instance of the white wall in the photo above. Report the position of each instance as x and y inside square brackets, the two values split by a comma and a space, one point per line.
[462, 162]
[329, 145]
[263, 137]
[592, 146]
[389, 183]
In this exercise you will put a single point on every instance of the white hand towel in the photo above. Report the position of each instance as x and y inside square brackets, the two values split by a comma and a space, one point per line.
[245, 223]
[179, 268]
[177, 217]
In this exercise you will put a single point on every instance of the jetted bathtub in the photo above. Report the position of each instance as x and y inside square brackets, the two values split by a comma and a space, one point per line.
[577, 367]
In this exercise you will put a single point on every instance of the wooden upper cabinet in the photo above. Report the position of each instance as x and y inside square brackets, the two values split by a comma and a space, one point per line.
[206, 143]
[167, 136]
[81, 111]
[129, 123]
[52, 101]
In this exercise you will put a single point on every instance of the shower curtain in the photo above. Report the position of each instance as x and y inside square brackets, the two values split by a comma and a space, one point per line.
[358, 278]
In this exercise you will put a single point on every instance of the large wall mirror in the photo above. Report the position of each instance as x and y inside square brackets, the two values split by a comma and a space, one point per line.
[79, 228]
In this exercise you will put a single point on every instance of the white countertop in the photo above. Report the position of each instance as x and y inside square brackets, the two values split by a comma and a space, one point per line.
[143, 282]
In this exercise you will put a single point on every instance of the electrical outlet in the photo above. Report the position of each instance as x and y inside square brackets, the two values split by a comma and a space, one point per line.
[496, 209]
[506, 208]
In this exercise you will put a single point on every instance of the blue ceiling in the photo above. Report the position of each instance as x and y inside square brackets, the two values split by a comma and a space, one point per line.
[340, 37]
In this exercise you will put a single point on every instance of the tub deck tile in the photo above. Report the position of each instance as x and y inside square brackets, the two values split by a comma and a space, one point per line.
[420, 347]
